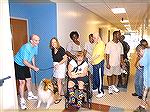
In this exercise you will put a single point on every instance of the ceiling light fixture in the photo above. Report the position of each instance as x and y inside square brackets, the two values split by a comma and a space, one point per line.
[118, 10]
[127, 25]
[124, 21]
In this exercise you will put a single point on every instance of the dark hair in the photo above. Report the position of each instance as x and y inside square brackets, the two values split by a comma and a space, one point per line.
[91, 35]
[139, 47]
[50, 44]
[144, 42]
[74, 34]
[115, 32]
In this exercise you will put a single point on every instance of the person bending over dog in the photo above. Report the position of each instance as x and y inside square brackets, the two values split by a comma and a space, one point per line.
[24, 60]
[78, 74]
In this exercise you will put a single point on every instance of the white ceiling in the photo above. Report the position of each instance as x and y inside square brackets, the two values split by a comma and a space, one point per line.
[136, 9]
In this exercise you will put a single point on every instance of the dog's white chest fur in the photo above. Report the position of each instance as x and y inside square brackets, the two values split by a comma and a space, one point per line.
[44, 96]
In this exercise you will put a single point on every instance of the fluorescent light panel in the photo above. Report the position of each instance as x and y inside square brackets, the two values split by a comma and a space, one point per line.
[118, 10]
[127, 25]
[124, 21]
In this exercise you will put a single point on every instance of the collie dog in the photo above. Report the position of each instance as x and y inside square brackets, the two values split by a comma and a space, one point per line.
[45, 93]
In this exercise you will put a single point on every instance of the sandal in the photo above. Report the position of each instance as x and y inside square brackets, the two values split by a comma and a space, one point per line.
[57, 101]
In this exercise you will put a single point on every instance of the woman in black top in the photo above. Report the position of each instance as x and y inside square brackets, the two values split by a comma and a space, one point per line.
[59, 61]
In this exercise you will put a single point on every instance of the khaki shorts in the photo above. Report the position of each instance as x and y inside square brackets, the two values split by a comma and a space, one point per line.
[114, 70]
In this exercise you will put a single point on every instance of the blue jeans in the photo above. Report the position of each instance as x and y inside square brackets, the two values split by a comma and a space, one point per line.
[98, 73]
[138, 81]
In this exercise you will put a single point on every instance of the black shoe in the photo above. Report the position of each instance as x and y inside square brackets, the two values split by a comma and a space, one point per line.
[140, 97]
[134, 94]
[140, 109]
[119, 85]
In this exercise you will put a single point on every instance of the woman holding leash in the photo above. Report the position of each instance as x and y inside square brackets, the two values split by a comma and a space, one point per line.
[59, 61]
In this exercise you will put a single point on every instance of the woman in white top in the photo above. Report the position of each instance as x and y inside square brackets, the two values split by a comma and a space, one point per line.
[74, 45]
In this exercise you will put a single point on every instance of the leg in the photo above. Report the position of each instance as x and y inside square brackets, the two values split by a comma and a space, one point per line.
[59, 83]
[21, 88]
[100, 83]
[101, 76]
[119, 81]
[95, 77]
[109, 80]
[142, 107]
[21, 91]
[71, 92]
[30, 94]
[50, 101]
[28, 80]
[136, 83]
[114, 88]
[39, 103]
[80, 93]
[140, 83]
[114, 79]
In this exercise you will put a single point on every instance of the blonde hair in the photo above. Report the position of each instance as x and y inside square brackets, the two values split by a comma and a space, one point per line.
[80, 53]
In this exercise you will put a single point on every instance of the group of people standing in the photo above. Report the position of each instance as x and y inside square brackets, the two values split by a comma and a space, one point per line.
[96, 57]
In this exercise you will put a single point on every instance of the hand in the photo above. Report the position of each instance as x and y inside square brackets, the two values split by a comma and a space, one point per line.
[108, 66]
[138, 66]
[122, 64]
[36, 68]
[74, 75]
[56, 66]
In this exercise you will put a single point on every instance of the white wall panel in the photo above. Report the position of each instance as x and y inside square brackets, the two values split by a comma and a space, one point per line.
[74, 17]
[8, 93]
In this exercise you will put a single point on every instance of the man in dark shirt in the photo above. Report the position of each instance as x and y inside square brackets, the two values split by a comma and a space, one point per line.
[123, 78]
[126, 47]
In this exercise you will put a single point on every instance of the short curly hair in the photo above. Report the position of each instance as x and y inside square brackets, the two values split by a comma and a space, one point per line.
[74, 34]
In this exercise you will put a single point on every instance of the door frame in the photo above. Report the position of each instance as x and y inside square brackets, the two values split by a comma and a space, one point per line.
[27, 25]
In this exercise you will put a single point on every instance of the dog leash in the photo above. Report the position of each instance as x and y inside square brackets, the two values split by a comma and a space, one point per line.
[44, 69]
[41, 69]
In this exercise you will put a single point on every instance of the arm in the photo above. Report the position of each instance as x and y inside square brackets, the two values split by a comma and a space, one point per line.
[128, 48]
[107, 61]
[121, 60]
[144, 61]
[70, 73]
[136, 61]
[70, 55]
[30, 65]
[85, 52]
[64, 59]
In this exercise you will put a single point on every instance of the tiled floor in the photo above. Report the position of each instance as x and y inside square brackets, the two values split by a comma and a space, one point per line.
[118, 102]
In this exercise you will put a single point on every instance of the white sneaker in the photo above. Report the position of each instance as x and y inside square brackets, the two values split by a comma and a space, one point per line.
[114, 88]
[96, 90]
[32, 97]
[23, 104]
[100, 95]
[110, 91]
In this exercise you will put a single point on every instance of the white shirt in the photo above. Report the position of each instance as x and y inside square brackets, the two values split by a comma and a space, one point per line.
[81, 67]
[89, 48]
[73, 48]
[114, 50]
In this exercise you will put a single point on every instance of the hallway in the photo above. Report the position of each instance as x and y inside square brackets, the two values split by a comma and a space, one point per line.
[118, 102]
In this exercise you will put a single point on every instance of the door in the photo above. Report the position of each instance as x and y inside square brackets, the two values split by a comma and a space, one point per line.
[19, 36]
[19, 33]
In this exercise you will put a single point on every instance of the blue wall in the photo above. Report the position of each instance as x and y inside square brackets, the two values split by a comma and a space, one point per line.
[42, 21]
